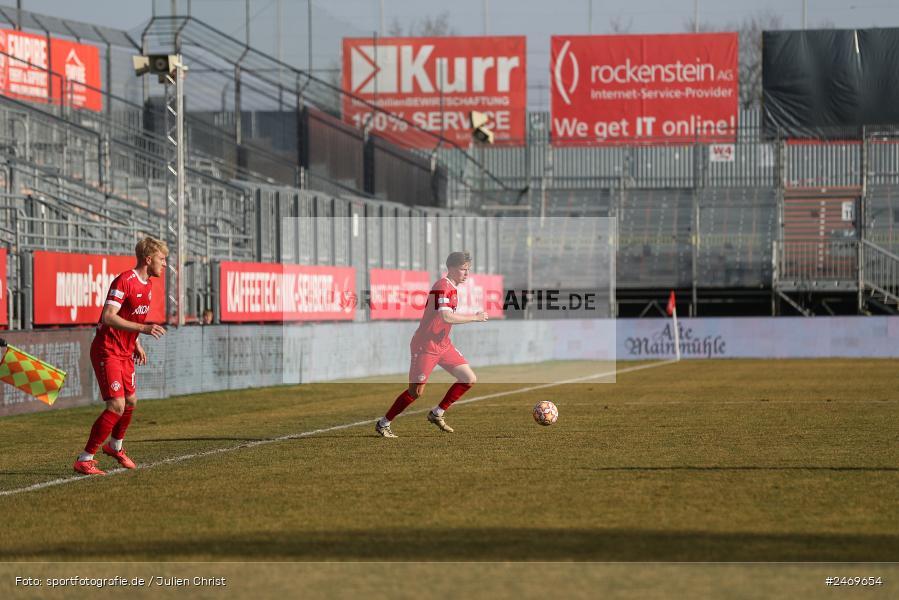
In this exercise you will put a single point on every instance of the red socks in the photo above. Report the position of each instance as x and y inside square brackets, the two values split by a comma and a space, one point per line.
[456, 391]
[399, 405]
[101, 430]
[118, 432]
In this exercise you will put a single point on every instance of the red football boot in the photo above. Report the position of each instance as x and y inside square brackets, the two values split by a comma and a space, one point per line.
[87, 467]
[119, 456]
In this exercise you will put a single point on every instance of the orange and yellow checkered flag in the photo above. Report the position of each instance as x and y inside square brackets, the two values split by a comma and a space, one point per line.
[29, 374]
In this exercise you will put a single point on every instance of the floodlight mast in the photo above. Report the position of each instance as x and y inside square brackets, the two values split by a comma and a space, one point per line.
[170, 70]
[176, 109]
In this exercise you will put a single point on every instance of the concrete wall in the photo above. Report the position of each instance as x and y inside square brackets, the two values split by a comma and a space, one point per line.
[205, 359]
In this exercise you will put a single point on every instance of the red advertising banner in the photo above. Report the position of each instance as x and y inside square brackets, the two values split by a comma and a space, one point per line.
[276, 292]
[24, 65]
[482, 292]
[25, 70]
[70, 289]
[79, 65]
[434, 83]
[397, 294]
[649, 88]
[4, 288]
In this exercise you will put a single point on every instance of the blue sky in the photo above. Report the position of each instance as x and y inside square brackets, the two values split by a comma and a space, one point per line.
[528, 17]
[536, 19]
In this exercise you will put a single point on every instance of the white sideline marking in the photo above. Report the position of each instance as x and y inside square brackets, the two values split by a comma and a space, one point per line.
[294, 436]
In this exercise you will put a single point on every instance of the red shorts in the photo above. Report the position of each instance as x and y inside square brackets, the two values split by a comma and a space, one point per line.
[115, 376]
[424, 362]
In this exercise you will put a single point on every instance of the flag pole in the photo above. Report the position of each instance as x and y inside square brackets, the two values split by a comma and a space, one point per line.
[676, 334]
[671, 309]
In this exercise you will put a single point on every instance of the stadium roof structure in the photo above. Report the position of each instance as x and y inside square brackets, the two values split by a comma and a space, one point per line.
[215, 52]
[27, 20]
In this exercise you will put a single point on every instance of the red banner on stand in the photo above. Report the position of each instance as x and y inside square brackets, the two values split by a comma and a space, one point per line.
[644, 88]
[434, 83]
[482, 292]
[37, 69]
[79, 65]
[276, 292]
[397, 294]
[70, 289]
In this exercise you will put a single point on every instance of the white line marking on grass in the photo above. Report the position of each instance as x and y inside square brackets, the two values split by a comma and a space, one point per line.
[555, 383]
[304, 434]
[755, 401]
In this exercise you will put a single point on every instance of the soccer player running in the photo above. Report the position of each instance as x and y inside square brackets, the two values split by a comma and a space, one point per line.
[115, 350]
[431, 346]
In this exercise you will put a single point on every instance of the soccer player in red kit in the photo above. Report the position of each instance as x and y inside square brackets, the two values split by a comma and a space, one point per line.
[115, 350]
[431, 346]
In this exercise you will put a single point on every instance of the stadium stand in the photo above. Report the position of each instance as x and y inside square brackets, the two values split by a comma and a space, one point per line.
[86, 181]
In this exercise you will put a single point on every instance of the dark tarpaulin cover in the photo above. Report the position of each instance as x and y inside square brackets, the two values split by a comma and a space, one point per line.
[828, 83]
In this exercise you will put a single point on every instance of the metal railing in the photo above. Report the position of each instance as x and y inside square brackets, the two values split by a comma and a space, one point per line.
[230, 77]
[879, 270]
[81, 235]
[79, 168]
[61, 214]
[231, 80]
[816, 264]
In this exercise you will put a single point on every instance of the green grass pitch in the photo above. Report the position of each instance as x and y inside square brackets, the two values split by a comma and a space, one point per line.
[738, 460]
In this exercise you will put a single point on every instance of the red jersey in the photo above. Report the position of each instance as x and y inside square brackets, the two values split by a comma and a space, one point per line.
[433, 332]
[132, 297]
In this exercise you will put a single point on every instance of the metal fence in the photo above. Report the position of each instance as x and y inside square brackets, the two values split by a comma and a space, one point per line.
[879, 270]
[234, 83]
[83, 181]
[736, 228]
[819, 265]
[881, 215]
[757, 161]
[293, 226]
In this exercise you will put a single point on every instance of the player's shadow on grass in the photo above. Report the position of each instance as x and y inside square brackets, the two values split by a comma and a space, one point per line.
[488, 544]
[748, 468]
[197, 439]
[48, 471]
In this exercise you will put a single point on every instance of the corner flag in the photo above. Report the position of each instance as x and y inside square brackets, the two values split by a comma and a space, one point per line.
[29, 374]
[671, 309]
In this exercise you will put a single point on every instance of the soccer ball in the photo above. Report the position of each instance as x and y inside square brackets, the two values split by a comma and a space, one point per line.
[546, 413]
